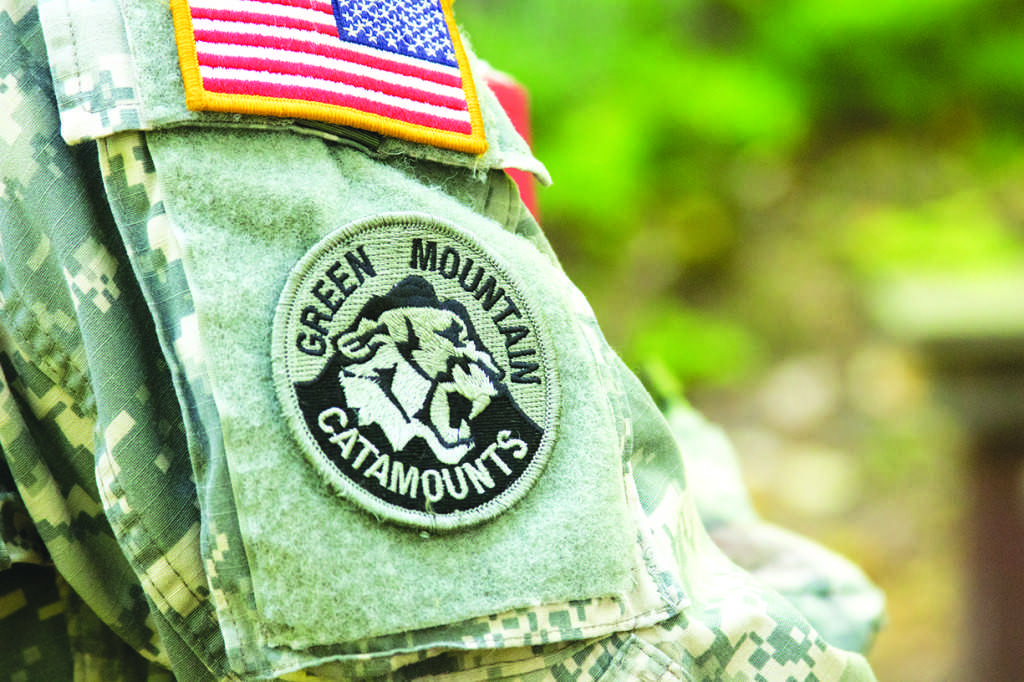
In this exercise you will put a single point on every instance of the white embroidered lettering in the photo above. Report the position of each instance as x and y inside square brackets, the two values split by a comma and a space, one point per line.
[379, 470]
[507, 442]
[404, 482]
[414, 371]
[463, 490]
[433, 487]
[478, 475]
[492, 453]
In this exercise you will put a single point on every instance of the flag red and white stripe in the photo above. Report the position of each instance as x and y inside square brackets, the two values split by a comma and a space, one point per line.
[286, 57]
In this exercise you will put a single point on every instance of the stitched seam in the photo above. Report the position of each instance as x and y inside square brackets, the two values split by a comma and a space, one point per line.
[669, 669]
[75, 60]
[211, 617]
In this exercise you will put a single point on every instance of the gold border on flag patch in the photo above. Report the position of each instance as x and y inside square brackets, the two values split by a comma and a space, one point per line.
[395, 67]
[414, 372]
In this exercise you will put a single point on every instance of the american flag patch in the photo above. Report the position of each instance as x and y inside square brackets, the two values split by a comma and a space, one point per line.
[395, 67]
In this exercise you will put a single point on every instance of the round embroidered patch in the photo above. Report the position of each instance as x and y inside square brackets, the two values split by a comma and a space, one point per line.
[413, 372]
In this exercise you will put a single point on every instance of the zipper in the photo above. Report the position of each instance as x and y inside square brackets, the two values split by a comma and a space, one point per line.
[363, 140]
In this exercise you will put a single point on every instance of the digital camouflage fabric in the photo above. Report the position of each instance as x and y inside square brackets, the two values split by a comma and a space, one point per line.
[151, 487]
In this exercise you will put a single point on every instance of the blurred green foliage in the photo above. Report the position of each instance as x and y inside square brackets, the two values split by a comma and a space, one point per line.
[956, 234]
[763, 159]
[737, 184]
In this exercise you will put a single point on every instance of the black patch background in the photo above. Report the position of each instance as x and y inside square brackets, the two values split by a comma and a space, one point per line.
[502, 414]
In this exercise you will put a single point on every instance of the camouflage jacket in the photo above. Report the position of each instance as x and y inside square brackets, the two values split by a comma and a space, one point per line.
[288, 399]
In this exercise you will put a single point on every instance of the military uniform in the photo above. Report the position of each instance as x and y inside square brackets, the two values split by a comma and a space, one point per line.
[293, 396]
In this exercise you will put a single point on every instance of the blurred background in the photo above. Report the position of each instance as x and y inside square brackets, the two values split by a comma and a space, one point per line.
[806, 214]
